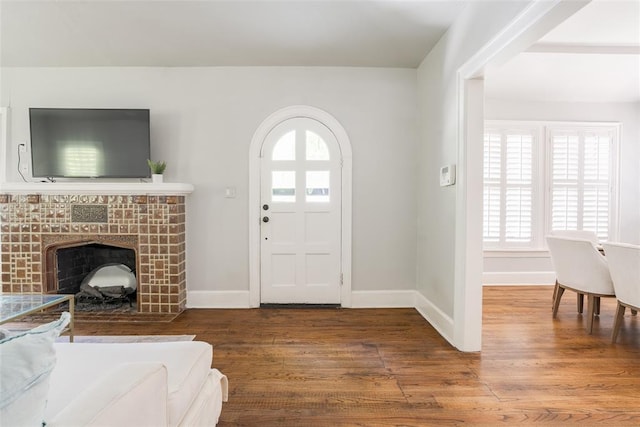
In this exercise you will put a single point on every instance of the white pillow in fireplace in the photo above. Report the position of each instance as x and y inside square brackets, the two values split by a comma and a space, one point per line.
[111, 275]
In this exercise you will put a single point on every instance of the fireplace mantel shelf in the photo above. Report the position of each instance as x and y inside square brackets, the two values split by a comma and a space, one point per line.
[102, 188]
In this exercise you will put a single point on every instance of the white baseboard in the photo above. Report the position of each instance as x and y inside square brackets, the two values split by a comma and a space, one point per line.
[359, 299]
[218, 299]
[383, 299]
[440, 321]
[519, 278]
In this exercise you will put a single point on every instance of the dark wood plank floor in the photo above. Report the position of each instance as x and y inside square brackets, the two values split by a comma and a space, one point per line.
[383, 367]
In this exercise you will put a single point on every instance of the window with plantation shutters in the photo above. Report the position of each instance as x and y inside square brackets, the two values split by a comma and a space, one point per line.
[580, 187]
[492, 187]
[508, 187]
[576, 166]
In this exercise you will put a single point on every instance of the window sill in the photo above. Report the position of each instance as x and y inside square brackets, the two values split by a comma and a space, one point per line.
[516, 253]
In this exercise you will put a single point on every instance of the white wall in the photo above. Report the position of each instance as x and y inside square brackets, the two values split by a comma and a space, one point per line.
[4, 132]
[438, 114]
[449, 260]
[525, 269]
[202, 123]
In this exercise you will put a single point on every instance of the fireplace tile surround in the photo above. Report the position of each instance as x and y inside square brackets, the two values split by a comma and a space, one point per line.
[148, 218]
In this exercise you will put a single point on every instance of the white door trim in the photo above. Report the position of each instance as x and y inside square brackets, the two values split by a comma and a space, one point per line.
[534, 21]
[254, 194]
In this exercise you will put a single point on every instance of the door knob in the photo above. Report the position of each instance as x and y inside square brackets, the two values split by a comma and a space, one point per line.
[265, 219]
[265, 207]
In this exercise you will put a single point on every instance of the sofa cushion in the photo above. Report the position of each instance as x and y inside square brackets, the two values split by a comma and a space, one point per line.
[187, 363]
[114, 399]
[26, 362]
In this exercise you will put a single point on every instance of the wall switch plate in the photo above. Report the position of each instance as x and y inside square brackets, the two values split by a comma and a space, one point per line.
[230, 192]
[447, 175]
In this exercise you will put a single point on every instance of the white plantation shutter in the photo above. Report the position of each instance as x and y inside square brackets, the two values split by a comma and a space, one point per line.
[576, 166]
[564, 182]
[508, 187]
[596, 184]
[492, 197]
[581, 179]
[519, 191]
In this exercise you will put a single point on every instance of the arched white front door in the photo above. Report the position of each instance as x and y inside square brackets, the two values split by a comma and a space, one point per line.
[342, 194]
[300, 199]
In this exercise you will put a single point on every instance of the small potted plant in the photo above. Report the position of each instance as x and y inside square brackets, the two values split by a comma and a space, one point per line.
[157, 169]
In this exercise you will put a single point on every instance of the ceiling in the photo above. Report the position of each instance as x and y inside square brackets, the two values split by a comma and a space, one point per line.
[388, 33]
[594, 56]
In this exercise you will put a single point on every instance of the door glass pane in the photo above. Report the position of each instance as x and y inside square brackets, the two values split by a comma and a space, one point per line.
[283, 186]
[317, 188]
[316, 147]
[285, 148]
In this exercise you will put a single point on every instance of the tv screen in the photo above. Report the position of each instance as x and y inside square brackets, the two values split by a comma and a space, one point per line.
[89, 143]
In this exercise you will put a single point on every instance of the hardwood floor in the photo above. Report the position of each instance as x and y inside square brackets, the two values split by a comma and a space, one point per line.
[382, 367]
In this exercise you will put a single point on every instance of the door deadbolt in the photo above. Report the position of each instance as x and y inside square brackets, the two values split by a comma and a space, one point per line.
[265, 207]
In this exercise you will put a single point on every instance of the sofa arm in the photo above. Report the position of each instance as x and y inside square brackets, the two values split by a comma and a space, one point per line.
[131, 394]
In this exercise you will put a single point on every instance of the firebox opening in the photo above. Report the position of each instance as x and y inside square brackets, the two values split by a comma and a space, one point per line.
[95, 264]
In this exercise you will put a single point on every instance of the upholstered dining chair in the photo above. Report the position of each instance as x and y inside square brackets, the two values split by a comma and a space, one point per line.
[578, 234]
[624, 265]
[580, 267]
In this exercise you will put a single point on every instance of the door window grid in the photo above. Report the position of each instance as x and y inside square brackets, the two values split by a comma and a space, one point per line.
[285, 148]
[315, 147]
[317, 187]
[283, 186]
[317, 182]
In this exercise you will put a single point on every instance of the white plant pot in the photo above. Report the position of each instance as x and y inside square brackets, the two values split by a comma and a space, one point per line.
[156, 178]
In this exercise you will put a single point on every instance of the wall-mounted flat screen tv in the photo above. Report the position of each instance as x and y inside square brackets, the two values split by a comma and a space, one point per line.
[89, 143]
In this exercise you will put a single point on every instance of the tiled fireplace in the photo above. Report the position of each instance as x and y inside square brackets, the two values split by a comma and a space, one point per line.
[34, 226]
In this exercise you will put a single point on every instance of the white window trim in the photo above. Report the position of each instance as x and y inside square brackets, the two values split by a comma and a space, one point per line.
[614, 223]
[516, 253]
[541, 220]
[536, 184]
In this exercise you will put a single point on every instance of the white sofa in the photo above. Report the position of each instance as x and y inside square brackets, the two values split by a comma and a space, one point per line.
[95, 384]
